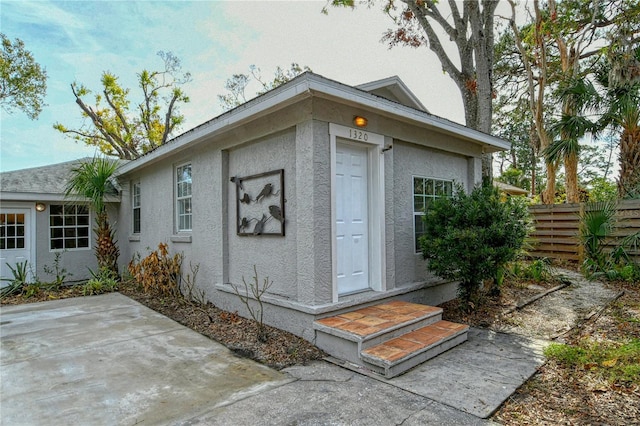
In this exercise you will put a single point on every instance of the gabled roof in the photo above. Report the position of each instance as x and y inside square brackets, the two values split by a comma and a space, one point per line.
[394, 89]
[46, 183]
[309, 85]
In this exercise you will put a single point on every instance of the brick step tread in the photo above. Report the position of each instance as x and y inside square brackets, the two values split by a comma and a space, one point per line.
[396, 350]
[362, 324]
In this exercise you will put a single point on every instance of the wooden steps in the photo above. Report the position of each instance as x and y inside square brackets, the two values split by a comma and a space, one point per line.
[388, 338]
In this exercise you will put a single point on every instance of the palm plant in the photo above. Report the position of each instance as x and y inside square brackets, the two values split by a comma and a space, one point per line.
[92, 181]
[620, 106]
[624, 113]
[597, 223]
[578, 96]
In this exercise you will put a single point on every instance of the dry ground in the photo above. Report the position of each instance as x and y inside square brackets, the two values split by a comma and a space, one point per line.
[558, 394]
[555, 395]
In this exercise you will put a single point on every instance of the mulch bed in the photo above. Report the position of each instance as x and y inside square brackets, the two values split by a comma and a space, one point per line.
[281, 349]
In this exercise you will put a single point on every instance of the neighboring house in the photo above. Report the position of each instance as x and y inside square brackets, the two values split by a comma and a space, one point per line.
[341, 205]
[37, 222]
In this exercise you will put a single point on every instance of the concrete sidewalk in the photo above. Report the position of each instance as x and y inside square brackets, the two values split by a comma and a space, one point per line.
[109, 360]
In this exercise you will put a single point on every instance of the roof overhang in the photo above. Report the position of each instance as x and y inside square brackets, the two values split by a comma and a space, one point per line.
[302, 87]
[45, 197]
[396, 87]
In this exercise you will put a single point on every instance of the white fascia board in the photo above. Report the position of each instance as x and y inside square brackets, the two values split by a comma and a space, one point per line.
[394, 84]
[345, 92]
[252, 109]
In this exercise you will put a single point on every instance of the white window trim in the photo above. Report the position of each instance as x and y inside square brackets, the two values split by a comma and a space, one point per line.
[49, 227]
[413, 208]
[32, 229]
[135, 207]
[178, 199]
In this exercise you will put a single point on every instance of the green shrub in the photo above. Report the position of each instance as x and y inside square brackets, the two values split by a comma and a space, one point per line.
[470, 237]
[539, 270]
[97, 286]
[103, 281]
[19, 280]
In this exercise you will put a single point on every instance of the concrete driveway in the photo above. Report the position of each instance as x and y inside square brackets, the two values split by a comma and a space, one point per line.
[107, 360]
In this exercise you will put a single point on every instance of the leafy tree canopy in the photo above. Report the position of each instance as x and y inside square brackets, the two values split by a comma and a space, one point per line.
[118, 128]
[23, 82]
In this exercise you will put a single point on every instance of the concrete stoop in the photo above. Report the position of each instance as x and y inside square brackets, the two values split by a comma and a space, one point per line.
[388, 338]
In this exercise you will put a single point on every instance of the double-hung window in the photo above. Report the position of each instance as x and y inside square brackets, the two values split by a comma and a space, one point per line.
[425, 191]
[68, 227]
[135, 203]
[183, 197]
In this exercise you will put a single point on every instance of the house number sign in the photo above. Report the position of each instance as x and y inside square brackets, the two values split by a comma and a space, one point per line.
[359, 135]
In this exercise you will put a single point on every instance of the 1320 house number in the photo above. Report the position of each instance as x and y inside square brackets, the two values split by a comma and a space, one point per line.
[358, 135]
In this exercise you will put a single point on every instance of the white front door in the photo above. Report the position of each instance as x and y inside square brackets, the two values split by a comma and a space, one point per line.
[15, 242]
[352, 223]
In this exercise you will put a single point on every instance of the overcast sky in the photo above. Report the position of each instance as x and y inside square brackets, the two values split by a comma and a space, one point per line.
[77, 41]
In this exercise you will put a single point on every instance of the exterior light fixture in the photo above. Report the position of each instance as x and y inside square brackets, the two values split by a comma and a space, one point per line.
[40, 207]
[360, 121]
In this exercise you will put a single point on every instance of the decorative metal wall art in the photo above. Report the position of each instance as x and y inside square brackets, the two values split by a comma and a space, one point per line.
[260, 203]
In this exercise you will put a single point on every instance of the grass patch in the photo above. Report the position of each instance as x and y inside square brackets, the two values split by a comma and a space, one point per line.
[619, 363]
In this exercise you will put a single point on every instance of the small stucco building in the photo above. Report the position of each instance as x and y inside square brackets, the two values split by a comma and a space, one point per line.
[319, 185]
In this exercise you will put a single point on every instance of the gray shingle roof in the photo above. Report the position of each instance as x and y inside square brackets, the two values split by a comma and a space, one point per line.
[49, 179]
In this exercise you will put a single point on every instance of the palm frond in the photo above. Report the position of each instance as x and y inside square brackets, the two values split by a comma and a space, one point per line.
[560, 149]
[597, 223]
[91, 180]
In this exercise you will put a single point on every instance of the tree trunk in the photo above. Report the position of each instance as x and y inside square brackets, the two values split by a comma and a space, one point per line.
[548, 196]
[571, 172]
[472, 32]
[107, 251]
[629, 160]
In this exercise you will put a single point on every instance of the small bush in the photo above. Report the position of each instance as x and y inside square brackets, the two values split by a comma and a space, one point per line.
[539, 270]
[470, 237]
[18, 282]
[97, 286]
[103, 281]
[59, 272]
[257, 291]
[158, 272]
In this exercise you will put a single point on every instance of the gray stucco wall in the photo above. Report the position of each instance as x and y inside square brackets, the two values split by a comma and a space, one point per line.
[412, 160]
[157, 212]
[273, 256]
[77, 262]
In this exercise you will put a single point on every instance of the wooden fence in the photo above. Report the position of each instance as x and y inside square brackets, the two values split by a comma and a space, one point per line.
[557, 229]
